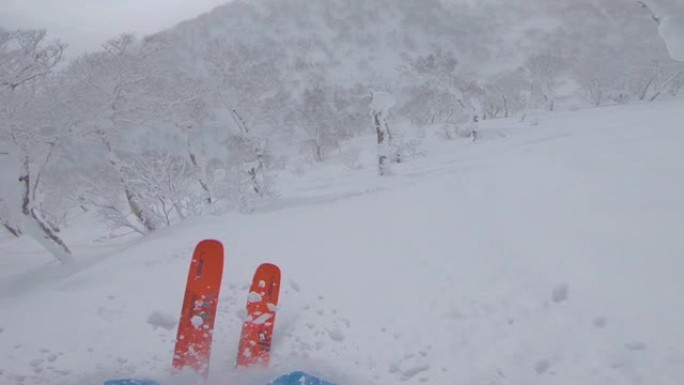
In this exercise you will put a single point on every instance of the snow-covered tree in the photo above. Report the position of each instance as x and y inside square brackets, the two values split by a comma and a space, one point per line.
[381, 103]
[543, 72]
[247, 87]
[318, 120]
[190, 120]
[133, 110]
[108, 85]
[31, 133]
[505, 94]
[439, 71]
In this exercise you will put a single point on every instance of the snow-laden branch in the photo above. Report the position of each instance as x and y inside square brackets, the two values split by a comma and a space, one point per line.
[25, 57]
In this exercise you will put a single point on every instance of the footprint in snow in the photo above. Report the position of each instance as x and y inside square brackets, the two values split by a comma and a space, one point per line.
[412, 372]
[162, 320]
[560, 293]
[635, 346]
[294, 285]
[542, 366]
[600, 322]
[336, 335]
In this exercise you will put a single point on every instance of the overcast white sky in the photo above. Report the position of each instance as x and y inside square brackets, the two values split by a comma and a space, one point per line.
[85, 24]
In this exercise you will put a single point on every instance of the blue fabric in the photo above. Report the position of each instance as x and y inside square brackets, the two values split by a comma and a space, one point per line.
[131, 382]
[299, 378]
[294, 378]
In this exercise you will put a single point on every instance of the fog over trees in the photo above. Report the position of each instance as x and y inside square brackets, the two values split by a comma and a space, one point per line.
[198, 119]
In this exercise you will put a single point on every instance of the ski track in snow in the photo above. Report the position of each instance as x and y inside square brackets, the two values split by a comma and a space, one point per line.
[548, 252]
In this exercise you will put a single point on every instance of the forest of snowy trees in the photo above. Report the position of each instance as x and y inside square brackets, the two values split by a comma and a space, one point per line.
[149, 131]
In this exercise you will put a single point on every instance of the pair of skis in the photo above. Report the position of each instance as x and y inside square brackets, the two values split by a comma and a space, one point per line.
[198, 314]
[293, 378]
[195, 330]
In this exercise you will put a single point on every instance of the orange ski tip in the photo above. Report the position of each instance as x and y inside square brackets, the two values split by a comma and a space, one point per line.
[198, 312]
[210, 243]
[268, 265]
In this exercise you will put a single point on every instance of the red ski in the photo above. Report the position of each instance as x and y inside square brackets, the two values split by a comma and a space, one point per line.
[193, 343]
[257, 330]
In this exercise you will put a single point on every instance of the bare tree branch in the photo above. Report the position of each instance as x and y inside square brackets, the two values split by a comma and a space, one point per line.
[655, 17]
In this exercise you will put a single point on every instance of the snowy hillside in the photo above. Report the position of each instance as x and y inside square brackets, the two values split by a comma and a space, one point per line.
[202, 118]
[547, 252]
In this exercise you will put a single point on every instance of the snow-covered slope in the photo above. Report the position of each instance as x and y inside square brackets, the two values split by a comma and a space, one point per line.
[547, 252]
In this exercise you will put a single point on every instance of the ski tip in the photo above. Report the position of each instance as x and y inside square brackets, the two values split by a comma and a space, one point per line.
[210, 243]
[268, 266]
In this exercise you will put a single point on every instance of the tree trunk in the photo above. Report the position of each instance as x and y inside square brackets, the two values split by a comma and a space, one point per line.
[136, 208]
[201, 181]
[15, 231]
[662, 88]
[505, 105]
[35, 226]
[244, 129]
[648, 7]
[382, 143]
[252, 172]
[644, 91]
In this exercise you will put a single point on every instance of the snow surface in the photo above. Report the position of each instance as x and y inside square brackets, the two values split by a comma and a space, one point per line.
[546, 252]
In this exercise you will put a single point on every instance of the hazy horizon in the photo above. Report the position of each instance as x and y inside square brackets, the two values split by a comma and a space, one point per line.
[85, 25]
